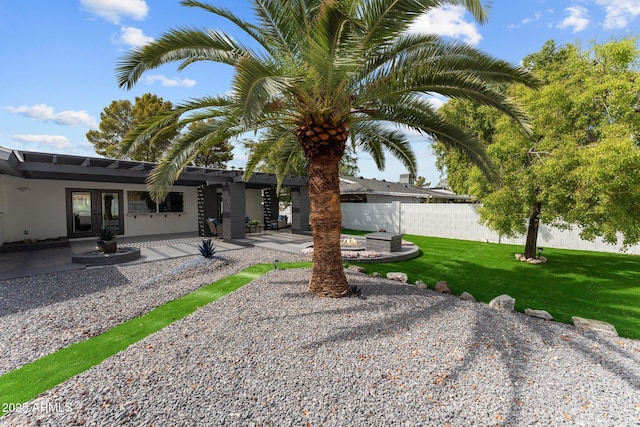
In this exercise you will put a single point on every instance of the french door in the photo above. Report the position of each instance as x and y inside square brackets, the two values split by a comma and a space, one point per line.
[90, 210]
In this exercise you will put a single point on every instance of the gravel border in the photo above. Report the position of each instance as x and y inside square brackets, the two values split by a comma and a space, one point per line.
[271, 354]
[41, 314]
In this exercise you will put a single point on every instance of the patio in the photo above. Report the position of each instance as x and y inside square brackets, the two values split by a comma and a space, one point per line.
[158, 247]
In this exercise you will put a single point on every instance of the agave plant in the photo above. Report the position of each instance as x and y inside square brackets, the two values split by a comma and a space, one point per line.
[313, 77]
[207, 249]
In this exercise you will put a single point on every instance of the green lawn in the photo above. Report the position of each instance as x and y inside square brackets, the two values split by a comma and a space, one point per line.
[594, 285]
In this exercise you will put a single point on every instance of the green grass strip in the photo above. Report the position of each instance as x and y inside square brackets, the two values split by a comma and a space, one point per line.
[27, 382]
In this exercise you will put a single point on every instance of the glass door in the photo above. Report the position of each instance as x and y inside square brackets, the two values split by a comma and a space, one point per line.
[89, 210]
[110, 206]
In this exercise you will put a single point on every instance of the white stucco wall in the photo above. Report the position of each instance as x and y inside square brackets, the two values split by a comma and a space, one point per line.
[39, 207]
[456, 221]
[254, 204]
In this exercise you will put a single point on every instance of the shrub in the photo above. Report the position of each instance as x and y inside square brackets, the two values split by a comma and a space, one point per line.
[207, 249]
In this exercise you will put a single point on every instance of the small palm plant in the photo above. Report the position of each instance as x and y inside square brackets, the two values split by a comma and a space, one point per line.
[207, 249]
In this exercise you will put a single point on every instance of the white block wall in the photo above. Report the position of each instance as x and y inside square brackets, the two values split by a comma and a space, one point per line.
[456, 221]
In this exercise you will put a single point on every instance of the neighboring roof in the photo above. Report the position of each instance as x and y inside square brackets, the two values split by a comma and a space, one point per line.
[33, 165]
[350, 185]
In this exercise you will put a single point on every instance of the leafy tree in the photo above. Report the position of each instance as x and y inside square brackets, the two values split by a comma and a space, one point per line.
[314, 75]
[421, 182]
[579, 165]
[120, 117]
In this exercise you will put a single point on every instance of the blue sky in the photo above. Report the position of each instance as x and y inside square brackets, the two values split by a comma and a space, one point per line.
[59, 57]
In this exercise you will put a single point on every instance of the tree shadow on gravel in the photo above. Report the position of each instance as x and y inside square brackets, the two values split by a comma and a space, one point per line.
[509, 339]
[26, 293]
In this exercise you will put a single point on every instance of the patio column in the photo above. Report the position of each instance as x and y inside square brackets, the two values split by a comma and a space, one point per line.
[299, 209]
[233, 211]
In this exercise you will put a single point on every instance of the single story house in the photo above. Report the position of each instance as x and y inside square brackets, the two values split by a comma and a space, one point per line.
[363, 190]
[46, 196]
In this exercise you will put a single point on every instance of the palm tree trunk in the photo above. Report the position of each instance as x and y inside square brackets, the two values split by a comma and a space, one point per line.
[324, 146]
[327, 274]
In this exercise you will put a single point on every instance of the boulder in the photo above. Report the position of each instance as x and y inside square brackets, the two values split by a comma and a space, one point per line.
[442, 287]
[357, 269]
[535, 261]
[467, 297]
[519, 257]
[421, 285]
[594, 325]
[398, 277]
[503, 302]
[540, 314]
[375, 274]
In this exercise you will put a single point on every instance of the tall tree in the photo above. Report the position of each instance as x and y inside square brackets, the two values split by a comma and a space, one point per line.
[421, 182]
[579, 165]
[120, 117]
[316, 74]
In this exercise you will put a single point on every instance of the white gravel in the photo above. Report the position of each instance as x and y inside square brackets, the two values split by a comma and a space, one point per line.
[270, 354]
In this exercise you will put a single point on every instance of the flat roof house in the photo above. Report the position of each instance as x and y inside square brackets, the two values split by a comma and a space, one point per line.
[45, 196]
[364, 190]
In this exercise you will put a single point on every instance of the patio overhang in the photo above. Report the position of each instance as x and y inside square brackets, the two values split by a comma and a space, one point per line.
[34, 165]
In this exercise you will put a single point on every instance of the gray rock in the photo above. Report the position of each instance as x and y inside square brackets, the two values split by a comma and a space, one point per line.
[398, 277]
[594, 325]
[442, 287]
[357, 269]
[535, 261]
[375, 274]
[467, 297]
[540, 314]
[421, 285]
[503, 302]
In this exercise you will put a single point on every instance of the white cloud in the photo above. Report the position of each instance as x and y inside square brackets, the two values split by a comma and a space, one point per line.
[114, 10]
[448, 21]
[578, 19]
[619, 12]
[44, 113]
[535, 17]
[58, 142]
[133, 37]
[437, 100]
[167, 82]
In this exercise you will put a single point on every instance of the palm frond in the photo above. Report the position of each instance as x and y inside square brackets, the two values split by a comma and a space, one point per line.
[255, 84]
[386, 19]
[417, 114]
[184, 45]
[382, 136]
[252, 30]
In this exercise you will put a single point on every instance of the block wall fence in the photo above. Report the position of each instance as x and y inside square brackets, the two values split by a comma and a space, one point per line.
[457, 221]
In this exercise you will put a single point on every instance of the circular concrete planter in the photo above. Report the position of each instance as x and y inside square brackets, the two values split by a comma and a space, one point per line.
[123, 254]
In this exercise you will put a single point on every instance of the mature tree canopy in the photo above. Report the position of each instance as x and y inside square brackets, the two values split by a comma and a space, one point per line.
[580, 165]
[315, 75]
[421, 182]
[120, 117]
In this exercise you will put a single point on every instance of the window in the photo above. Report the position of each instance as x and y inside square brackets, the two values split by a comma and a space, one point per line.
[140, 202]
[173, 203]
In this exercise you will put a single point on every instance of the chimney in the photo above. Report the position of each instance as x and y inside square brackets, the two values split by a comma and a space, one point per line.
[407, 178]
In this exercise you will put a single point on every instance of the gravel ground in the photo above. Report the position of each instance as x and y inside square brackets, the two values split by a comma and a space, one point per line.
[270, 354]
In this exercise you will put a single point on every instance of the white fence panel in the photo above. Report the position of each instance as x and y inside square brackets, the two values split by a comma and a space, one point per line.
[456, 221]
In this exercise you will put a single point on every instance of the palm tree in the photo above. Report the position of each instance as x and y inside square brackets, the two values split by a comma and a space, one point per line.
[314, 75]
